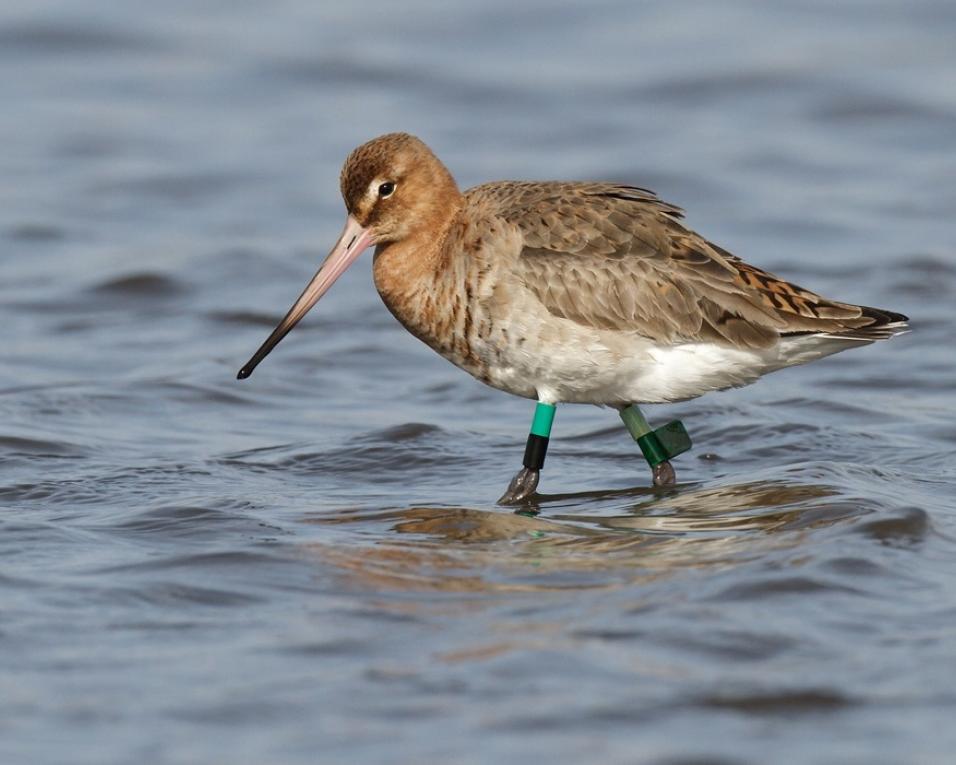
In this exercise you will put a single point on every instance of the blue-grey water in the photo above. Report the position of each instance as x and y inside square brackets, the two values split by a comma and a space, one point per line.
[309, 566]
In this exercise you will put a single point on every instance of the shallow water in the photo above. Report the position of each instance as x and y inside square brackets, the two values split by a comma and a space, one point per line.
[309, 565]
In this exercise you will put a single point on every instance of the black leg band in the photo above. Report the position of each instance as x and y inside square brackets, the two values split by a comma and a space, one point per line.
[535, 451]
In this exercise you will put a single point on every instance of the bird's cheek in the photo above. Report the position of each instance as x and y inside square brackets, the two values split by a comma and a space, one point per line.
[388, 228]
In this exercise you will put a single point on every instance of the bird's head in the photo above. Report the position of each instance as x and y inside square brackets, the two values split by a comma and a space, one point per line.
[393, 187]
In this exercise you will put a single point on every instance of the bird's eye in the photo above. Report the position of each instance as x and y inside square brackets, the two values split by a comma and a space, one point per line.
[386, 189]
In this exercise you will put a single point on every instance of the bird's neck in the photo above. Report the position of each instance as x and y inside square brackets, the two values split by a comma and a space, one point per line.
[420, 259]
[418, 276]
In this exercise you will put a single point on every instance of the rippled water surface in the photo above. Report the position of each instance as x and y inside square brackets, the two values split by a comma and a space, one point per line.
[309, 566]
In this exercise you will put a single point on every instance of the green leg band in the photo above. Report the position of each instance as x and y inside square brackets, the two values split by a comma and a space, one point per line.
[543, 419]
[634, 421]
[659, 445]
[652, 449]
[537, 447]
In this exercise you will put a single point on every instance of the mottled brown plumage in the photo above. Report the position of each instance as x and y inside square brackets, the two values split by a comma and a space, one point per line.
[616, 257]
[562, 291]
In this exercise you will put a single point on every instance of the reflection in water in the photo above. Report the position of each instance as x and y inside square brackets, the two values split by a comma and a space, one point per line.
[465, 549]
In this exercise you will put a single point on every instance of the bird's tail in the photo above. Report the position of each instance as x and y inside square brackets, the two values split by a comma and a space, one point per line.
[883, 325]
[801, 347]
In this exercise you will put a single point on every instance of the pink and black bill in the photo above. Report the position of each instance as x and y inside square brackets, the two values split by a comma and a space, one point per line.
[353, 241]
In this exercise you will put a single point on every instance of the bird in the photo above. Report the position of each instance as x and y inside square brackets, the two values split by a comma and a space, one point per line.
[571, 293]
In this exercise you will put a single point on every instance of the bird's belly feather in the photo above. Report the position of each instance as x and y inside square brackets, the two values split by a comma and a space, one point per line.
[565, 362]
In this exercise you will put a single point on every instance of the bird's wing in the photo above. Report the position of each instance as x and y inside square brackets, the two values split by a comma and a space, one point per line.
[618, 258]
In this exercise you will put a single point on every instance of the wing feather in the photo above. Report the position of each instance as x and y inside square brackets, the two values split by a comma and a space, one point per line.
[618, 258]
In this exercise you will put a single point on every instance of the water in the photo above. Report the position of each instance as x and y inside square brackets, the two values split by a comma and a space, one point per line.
[309, 566]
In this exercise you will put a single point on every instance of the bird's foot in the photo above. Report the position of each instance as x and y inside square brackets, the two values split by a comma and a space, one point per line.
[521, 487]
[664, 474]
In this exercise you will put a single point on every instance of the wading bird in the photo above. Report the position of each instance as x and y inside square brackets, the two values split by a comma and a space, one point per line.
[586, 293]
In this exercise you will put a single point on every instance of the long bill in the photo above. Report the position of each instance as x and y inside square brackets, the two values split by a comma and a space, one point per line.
[351, 244]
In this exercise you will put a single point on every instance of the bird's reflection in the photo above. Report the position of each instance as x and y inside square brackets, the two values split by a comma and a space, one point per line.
[582, 541]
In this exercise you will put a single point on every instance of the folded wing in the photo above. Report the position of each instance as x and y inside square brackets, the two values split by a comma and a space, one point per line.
[618, 258]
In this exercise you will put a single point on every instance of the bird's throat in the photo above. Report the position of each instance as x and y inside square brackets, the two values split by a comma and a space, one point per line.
[423, 285]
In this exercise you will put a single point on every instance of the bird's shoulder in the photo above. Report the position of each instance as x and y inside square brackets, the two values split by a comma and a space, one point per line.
[566, 215]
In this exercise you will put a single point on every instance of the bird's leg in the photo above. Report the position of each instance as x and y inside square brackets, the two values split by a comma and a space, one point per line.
[525, 481]
[657, 446]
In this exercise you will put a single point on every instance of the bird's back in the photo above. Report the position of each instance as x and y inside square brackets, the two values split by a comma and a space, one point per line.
[618, 258]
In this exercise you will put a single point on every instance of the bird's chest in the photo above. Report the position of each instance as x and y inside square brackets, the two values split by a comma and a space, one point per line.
[461, 320]
[442, 318]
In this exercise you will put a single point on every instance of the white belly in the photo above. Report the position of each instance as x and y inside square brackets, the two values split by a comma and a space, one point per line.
[600, 373]
[570, 363]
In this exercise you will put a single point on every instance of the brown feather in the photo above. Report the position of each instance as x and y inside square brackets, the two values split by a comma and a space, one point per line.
[618, 258]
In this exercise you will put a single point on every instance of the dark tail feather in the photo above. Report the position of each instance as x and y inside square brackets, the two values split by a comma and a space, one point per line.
[884, 325]
[882, 317]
